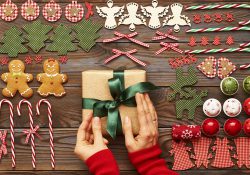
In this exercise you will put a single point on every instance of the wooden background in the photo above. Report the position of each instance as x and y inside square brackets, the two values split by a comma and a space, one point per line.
[67, 110]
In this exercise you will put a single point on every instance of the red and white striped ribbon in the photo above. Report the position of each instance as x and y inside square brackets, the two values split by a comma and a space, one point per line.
[162, 35]
[128, 36]
[245, 66]
[12, 139]
[128, 54]
[29, 132]
[32, 138]
[246, 44]
[168, 46]
[243, 23]
[3, 148]
[51, 139]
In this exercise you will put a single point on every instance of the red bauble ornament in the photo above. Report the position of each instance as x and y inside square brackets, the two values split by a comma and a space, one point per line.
[210, 127]
[246, 106]
[232, 127]
[246, 127]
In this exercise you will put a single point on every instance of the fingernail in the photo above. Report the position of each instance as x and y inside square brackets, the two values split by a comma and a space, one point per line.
[96, 120]
[126, 119]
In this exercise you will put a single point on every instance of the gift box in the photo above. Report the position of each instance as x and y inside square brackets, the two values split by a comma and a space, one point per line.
[110, 94]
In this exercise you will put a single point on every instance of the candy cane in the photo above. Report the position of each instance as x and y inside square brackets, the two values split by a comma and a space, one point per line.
[246, 44]
[203, 51]
[51, 140]
[12, 139]
[243, 23]
[218, 29]
[33, 147]
[245, 66]
[217, 6]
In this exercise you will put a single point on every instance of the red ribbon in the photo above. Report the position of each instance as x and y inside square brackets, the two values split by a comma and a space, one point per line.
[128, 54]
[168, 46]
[3, 148]
[90, 12]
[164, 35]
[29, 132]
[128, 36]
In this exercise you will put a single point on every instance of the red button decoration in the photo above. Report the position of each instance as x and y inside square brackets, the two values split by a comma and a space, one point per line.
[246, 106]
[210, 127]
[232, 127]
[52, 11]
[8, 11]
[30, 10]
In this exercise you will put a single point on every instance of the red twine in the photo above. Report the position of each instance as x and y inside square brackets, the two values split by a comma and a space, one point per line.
[90, 11]
[31, 131]
[3, 148]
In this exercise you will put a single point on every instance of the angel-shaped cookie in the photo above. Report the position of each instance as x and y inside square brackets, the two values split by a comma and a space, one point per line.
[110, 13]
[154, 12]
[132, 18]
[176, 19]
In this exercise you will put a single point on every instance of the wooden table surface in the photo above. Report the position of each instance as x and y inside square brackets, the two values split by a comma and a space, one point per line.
[67, 114]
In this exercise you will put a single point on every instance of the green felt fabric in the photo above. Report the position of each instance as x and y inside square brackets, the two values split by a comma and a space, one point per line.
[37, 35]
[13, 42]
[62, 41]
[86, 32]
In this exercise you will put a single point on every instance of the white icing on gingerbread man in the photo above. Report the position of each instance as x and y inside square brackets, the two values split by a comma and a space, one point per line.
[17, 80]
[154, 12]
[110, 13]
[176, 19]
[132, 18]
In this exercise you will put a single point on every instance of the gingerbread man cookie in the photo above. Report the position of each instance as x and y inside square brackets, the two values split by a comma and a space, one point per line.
[51, 80]
[17, 80]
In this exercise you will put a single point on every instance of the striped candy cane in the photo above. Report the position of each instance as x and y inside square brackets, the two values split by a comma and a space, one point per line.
[51, 140]
[218, 29]
[246, 44]
[31, 131]
[227, 50]
[245, 66]
[12, 139]
[243, 23]
[217, 6]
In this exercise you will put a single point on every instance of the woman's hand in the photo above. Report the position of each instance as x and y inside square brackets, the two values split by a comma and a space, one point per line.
[148, 133]
[89, 138]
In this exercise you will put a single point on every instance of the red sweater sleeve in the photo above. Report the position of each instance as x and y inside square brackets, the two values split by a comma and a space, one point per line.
[148, 162]
[103, 163]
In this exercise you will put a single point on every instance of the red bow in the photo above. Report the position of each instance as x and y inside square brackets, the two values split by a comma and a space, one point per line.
[165, 35]
[3, 148]
[128, 54]
[29, 132]
[128, 36]
[90, 11]
[168, 46]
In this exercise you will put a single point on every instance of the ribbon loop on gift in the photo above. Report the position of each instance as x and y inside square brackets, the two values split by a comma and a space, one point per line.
[128, 36]
[128, 54]
[29, 132]
[3, 148]
[121, 96]
[168, 46]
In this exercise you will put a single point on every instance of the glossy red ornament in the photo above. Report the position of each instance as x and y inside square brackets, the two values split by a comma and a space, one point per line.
[246, 127]
[246, 106]
[210, 127]
[232, 127]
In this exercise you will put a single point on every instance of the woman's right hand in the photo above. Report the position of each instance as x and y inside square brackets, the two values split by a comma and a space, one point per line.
[148, 133]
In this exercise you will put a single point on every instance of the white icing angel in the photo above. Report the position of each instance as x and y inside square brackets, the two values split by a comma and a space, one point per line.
[176, 19]
[110, 13]
[154, 12]
[132, 18]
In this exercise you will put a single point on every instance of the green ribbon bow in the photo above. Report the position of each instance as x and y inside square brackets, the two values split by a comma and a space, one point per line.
[121, 96]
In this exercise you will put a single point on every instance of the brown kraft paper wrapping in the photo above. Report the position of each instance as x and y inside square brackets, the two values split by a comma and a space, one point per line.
[95, 85]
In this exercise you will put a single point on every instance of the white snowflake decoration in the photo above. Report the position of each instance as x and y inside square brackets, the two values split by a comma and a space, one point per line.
[110, 13]
[186, 134]
[132, 18]
[176, 19]
[154, 12]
